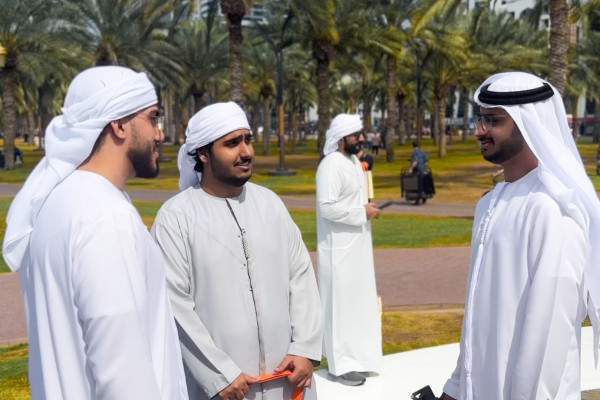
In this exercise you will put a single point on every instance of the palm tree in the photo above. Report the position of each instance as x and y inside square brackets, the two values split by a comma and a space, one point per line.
[320, 34]
[202, 50]
[260, 69]
[127, 32]
[298, 68]
[33, 56]
[447, 50]
[559, 44]
[277, 33]
[234, 11]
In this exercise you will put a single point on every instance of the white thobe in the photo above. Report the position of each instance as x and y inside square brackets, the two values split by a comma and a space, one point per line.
[98, 317]
[346, 272]
[236, 316]
[522, 326]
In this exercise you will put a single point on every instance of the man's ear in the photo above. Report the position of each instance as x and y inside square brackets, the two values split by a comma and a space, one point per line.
[117, 128]
[203, 155]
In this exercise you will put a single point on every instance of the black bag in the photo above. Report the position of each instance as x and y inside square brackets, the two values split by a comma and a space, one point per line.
[424, 394]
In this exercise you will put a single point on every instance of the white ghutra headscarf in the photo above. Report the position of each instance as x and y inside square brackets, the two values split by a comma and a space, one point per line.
[207, 125]
[544, 126]
[342, 125]
[95, 97]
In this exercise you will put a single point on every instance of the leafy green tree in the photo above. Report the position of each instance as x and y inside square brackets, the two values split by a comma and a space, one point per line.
[34, 55]
[319, 33]
[202, 52]
[132, 33]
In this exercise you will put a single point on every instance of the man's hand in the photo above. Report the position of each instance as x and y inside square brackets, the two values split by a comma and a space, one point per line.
[301, 368]
[238, 388]
[446, 397]
[372, 210]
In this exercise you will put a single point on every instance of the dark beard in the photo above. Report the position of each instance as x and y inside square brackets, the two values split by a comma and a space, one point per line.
[222, 174]
[508, 149]
[352, 148]
[142, 162]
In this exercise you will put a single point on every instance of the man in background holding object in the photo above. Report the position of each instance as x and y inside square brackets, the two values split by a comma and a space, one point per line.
[352, 335]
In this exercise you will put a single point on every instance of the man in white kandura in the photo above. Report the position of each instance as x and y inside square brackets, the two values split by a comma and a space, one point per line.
[98, 317]
[352, 334]
[240, 279]
[534, 253]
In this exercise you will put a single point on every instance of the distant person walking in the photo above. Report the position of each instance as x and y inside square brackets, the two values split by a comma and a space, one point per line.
[376, 142]
[418, 165]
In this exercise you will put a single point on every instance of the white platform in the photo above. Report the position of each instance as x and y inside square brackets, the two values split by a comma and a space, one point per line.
[404, 373]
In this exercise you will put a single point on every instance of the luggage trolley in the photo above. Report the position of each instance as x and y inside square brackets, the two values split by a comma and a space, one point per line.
[409, 185]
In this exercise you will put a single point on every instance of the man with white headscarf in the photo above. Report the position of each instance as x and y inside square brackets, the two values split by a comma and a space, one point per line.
[534, 251]
[98, 316]
[240, 279]
[346, 271]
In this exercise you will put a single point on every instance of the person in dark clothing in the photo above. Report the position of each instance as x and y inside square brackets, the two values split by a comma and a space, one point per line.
[418, 161]
[366, 160]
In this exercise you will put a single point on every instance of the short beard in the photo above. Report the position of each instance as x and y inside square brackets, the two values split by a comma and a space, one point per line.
[220, 173]
[142, 158]
[350, 148]
[508, 149]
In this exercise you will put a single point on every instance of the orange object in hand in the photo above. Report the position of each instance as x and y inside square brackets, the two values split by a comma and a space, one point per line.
[296, 391]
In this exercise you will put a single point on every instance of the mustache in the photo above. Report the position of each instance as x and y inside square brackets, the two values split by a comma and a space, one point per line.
[244, 160]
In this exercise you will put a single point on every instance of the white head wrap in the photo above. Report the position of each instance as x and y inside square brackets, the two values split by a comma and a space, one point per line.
[95, 97]
[342, 125]
[206, 126]
[545, 129]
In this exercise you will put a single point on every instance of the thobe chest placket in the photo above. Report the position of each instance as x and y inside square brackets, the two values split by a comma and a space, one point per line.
[482, 231]
[255, 297]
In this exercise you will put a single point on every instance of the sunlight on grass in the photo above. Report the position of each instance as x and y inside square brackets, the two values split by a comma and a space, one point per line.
[401, 330]
[13, 372]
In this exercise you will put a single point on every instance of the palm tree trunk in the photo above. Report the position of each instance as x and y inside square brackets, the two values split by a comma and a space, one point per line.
[9, 84]
[324, 106]
[235, 57]
[392, 91]
[441, 119]
[401, 119]
[559, 44]
[419, 123]
[266, 133]
[575, 123]
[367, 103]
[31, 127]
[465, 129]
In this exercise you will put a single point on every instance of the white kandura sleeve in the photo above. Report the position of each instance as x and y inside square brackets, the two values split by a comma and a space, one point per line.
[110, 295]
[212, 368]
[330, 184]
[306, 314]
[556, 258]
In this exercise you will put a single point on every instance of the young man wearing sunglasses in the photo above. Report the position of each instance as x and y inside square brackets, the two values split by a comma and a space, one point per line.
[534, 255]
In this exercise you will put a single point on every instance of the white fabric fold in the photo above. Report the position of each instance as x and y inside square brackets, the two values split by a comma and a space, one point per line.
[545, 129]
[342, 125]
[206, 126]
[95, 97]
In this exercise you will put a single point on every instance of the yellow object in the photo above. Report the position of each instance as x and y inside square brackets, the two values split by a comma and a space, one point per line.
[370, 191]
